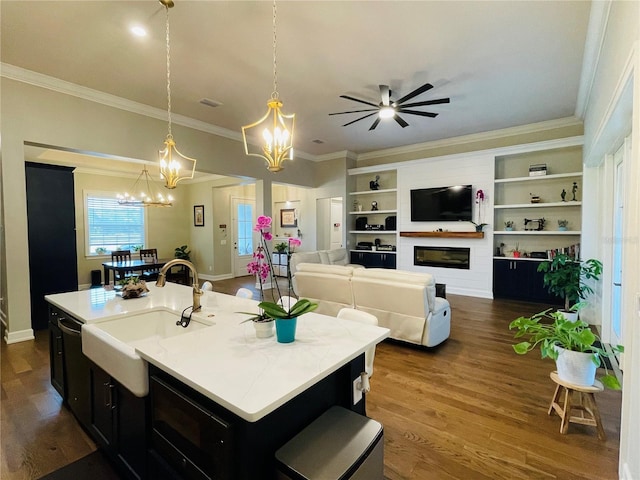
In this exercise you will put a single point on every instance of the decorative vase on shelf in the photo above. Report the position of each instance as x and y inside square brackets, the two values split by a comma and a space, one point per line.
[562, 229]
[508, 229]
[264, 329]
[286, 329]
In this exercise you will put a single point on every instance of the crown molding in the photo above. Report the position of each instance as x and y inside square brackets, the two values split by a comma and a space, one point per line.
[61, 86]
[474, 137]
[598, 20]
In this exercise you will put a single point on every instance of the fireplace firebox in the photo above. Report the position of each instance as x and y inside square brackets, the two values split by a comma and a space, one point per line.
[445, 257]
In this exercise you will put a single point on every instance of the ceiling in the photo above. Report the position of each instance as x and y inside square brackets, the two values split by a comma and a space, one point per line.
[503, 64]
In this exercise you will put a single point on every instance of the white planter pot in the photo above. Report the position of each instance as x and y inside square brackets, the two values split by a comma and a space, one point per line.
[575, 367]
[571, 316]
[263, 329]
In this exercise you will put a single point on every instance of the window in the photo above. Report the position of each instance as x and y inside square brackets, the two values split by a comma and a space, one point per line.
[245, 229]
[110, 226]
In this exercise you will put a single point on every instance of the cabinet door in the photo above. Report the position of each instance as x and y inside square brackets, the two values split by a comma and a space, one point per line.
[510, 279]
[537, 291]
[388, 260]
[102, 406]
[56, 355]
[130, 430]
[357, 258]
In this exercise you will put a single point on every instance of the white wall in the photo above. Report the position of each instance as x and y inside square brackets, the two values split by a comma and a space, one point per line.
[473, 170]
[612, 112]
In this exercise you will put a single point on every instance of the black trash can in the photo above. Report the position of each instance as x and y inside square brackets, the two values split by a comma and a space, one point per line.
[96, 278]
[339, 444]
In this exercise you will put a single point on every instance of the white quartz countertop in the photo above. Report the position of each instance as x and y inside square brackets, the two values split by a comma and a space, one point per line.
[225, 361]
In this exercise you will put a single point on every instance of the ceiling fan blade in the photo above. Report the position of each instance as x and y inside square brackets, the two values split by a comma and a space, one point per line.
[385, 93]
[415, 93]
[418, 112]
[355, 111]
[427, 102]
[374, 124]
[400, 121]
[358, 100]
[358, 119]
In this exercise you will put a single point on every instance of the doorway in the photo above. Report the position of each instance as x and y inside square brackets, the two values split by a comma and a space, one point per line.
[243, 218]
[329, 228]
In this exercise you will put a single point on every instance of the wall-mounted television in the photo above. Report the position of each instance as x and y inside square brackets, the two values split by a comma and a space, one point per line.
[442, 204]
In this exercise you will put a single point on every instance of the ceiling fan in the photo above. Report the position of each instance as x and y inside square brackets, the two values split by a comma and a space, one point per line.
[389, 108]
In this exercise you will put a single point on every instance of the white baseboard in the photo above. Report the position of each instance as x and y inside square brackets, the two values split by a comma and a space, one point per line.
[214, 278]
[467, 292]
[19, 336]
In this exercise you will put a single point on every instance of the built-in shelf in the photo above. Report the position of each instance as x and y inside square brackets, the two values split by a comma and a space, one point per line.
[443, 234]
[370, 192]
[373, 212]
[540, 205]
[374, 232]
[537, 232]
[538, 177]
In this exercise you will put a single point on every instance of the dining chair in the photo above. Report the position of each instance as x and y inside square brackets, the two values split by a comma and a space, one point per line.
[149, 255]
[353, 315]
[120, 256]
[244, 293]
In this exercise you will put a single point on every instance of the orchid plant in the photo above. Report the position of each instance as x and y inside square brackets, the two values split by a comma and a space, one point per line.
[261, 266]
[480, 197]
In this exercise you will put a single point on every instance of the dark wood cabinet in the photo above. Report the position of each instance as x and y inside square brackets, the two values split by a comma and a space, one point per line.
[520, 280]
[119, 423]
[374, 259]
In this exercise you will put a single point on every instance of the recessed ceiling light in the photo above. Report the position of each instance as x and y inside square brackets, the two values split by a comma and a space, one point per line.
[138, 31]
[318, 141]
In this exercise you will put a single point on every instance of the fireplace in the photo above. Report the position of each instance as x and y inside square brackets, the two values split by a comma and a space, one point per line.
[445, 257]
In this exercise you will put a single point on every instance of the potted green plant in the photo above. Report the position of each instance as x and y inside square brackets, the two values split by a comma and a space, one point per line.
[563, 224]
[572, 344]
[182, 252]
[286, 319]
[566, 277]
[508, 225]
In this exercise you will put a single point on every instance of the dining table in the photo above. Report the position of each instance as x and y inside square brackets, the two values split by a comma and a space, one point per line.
[128, 266]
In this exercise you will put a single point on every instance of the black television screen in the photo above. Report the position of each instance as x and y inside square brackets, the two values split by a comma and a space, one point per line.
[443, 204]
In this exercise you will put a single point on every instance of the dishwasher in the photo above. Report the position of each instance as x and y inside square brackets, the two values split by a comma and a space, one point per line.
[77, 369]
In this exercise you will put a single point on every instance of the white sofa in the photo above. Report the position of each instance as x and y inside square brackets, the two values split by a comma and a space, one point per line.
[338, 256]
[404, 302]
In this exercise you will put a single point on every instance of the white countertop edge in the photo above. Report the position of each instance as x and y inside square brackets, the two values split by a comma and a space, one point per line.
[254, 416]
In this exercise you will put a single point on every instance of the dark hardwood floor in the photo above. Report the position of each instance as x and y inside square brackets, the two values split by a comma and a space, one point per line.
[468, 409]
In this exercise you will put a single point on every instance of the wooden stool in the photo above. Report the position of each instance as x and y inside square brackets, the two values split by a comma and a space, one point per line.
[586, 404]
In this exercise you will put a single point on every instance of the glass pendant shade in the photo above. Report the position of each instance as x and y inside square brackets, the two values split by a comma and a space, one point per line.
[275, 130]
[145, 193]
[174, 166]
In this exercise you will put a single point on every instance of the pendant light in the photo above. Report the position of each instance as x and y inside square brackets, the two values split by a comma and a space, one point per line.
[275, 129]
[174, 166]
[144, 193]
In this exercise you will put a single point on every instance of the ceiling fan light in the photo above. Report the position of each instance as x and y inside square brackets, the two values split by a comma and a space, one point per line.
[387, 112]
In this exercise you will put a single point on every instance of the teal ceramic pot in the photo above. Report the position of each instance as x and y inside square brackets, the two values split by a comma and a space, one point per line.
[286, 329]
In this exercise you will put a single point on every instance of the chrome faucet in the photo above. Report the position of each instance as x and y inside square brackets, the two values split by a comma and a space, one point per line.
[197, 292]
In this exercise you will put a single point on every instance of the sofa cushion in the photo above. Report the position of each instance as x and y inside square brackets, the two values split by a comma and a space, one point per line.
[303, 257]
[338, 256]
[324, 258]
[326, 269]
[401, 277]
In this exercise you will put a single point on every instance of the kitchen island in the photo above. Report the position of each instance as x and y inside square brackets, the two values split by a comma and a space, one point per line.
[222, 401]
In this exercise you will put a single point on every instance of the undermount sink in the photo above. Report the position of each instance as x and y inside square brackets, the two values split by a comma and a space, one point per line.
[111, 344]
